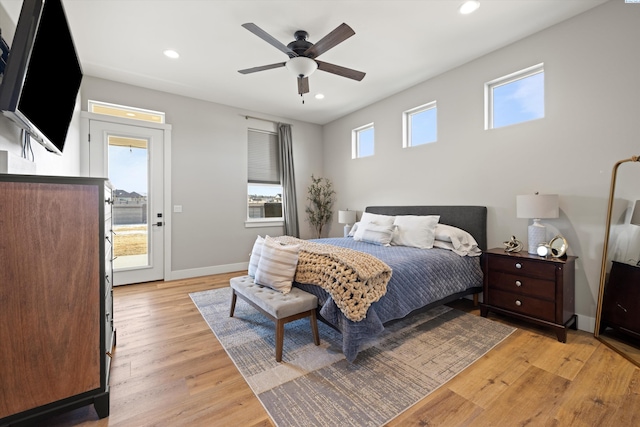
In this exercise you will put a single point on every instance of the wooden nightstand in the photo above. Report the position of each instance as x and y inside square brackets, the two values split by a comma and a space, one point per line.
[530, 287]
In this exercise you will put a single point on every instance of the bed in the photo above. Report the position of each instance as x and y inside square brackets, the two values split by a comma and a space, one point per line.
[435, 277]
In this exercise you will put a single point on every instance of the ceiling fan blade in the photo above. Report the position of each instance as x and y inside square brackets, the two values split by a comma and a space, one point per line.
[340, 71]
[262, 68]
[303, 85]
[340, 34]
[269, 39]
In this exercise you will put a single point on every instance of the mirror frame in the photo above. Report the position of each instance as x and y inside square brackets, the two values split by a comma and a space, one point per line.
[603, 267]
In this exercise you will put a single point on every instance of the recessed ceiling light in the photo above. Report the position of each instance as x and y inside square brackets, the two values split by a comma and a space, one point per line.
[469, 7]
[319, 96]
[171, 54]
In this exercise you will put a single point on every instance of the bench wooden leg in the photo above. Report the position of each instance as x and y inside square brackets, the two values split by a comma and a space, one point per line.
[234, 297]
[314, 327]
[279, 339]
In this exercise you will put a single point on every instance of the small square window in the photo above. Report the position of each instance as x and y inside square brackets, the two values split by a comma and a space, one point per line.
[420, 125]
[362, 141]
[516, 98]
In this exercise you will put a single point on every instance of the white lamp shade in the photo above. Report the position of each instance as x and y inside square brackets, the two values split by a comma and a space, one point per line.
[635, 216]
[301, 66]
[346, 217]
[537, 206]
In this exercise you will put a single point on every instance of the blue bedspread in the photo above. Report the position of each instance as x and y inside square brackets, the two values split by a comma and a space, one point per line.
[420, 277]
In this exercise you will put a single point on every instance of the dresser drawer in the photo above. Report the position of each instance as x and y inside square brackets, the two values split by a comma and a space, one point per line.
[525, 267]
[523, 285]
[523, 304]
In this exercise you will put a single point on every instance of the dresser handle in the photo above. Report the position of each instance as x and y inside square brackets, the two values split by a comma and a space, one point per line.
[518, 303]
[518, 265]
[518, 283]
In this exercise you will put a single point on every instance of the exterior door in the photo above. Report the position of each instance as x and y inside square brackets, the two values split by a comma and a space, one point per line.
[132, 157]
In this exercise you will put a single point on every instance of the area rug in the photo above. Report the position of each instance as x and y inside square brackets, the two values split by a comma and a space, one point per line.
[316, 386]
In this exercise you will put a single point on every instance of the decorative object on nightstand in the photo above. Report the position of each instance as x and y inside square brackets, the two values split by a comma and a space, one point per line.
[347, 217]
[558, 246]
[543, 249]
[537, 207]
[513, 245]
[535, 289]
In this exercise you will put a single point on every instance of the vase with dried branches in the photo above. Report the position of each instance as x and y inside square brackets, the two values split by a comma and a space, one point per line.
[321, 196]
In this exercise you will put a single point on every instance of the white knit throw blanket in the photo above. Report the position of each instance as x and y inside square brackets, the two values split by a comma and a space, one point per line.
[354, 279]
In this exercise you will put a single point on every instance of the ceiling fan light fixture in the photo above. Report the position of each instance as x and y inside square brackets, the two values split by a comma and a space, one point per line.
[302, 66]
[469, 7]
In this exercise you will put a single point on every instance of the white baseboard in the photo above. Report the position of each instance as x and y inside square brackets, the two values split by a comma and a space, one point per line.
[206, 271]
[586, 323]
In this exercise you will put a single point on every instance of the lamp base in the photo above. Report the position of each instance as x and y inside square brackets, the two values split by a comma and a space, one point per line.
[537, 234]
[347, 229]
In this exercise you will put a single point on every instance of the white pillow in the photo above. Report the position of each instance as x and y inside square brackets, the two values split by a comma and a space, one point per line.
[353, 229]
[277, 265]
[417, 231]
[255, 256]
[461, 242]
[374, 233]
[371, 218]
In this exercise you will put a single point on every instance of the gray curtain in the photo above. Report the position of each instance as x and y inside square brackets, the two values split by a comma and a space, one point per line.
[288, 180]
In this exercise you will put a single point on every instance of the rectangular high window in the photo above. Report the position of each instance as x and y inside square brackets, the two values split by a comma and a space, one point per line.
[362, 141]
[419, 125]
[264, 189]
[515, 98]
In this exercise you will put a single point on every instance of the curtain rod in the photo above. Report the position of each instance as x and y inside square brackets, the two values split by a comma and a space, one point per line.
[266, 120]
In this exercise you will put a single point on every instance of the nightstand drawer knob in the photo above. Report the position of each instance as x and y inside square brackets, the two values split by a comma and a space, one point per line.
[518, 283]
[518, 265]
[518, 303]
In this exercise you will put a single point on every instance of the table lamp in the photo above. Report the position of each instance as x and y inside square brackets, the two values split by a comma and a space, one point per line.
[346, 217]
[537, 206]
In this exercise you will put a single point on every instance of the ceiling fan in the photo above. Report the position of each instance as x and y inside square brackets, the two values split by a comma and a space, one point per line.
[302, 55]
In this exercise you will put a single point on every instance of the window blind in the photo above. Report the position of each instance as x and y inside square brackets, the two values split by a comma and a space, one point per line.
[264, 158]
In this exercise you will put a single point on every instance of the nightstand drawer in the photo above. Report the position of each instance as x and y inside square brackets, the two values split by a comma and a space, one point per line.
[523, 285]
[525, 267]
[523, 304]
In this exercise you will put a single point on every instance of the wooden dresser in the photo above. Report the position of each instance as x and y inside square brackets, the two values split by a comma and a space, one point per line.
[532, 288]
[56, 306]
[621, 300]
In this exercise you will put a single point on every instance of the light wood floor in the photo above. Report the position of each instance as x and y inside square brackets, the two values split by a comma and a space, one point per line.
[170, 370]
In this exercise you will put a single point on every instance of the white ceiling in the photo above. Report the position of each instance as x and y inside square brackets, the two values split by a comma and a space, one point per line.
[397, 43]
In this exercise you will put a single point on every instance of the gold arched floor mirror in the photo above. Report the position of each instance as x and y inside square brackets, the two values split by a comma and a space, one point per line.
[618, 309]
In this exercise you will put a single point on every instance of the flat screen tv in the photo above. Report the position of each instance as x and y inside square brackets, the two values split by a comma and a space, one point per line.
[42, 75]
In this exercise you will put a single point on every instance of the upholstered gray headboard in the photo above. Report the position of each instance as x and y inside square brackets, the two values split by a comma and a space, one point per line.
[472, 219]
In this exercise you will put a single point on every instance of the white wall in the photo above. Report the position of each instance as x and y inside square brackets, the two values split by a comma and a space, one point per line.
[209, 174]
[591, 121]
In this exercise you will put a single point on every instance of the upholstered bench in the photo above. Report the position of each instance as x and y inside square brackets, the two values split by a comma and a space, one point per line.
[279, 307]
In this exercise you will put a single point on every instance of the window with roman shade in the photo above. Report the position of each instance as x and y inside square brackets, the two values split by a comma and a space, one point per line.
[264, 187]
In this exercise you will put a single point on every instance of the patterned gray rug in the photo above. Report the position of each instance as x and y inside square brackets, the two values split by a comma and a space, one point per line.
[316, 386]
